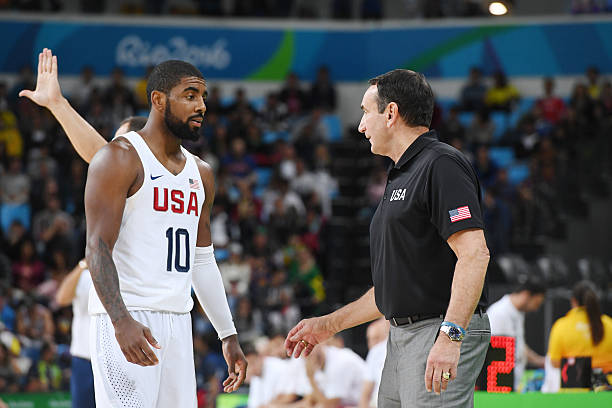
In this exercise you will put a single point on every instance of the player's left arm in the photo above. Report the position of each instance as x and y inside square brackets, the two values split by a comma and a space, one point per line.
[208, 286]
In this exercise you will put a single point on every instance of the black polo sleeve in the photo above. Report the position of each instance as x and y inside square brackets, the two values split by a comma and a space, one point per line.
[452, 196]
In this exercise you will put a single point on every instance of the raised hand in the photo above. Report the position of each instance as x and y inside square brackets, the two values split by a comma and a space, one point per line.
[306, 335]
[134, 339]
[48, 92]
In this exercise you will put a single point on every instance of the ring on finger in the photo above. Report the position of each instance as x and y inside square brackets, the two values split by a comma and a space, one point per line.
[304, 343]
[446, 375]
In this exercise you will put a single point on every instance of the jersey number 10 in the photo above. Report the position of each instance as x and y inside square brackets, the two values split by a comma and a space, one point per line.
[172, 237]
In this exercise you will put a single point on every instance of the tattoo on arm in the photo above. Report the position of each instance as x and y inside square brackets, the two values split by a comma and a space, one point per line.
[106, 281]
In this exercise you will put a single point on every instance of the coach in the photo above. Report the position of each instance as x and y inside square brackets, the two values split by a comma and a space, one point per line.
[428, 252]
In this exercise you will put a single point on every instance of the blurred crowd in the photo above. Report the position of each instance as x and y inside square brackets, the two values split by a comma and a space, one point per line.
[302, 9]
[273, 200]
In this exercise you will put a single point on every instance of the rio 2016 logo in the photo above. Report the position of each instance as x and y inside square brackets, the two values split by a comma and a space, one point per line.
[133, 51]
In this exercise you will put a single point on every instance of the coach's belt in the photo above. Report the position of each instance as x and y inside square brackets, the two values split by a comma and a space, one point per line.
[401, 321]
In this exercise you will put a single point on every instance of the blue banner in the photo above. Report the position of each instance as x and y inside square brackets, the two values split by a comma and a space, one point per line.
[520, 49]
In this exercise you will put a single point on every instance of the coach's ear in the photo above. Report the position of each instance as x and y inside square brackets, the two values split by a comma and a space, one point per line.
[158, 101]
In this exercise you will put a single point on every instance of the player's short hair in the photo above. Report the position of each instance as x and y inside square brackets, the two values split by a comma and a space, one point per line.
[410, 91]
[134, 123]
[168, 74]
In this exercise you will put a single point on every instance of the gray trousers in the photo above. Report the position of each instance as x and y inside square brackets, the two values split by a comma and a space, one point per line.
[403, 378]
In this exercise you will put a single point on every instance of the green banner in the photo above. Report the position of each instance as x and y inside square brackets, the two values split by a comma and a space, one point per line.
[538, 400]
[481, 400]
[38, 400]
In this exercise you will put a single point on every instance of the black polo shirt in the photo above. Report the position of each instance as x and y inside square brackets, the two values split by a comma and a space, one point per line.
[432, 192]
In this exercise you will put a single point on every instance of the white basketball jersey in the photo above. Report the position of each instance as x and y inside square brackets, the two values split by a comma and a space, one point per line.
[155, 249]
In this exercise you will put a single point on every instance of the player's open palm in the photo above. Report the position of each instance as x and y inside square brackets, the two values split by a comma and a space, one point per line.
[306, 335]
[48, 91]
[134, 339]
[236, 364]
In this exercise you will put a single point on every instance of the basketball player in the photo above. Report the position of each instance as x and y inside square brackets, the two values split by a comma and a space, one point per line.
[147, 206]
[124, 207]
[74, 290]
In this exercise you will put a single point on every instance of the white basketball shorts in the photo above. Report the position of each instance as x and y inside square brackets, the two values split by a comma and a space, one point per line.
[121, 384]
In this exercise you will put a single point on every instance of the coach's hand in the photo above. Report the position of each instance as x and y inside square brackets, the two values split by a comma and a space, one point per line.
[307, 334]
[236, 364]
[48, 92]
[134, 339]
[443, 357]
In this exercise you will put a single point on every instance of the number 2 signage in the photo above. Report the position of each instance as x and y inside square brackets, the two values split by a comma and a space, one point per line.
[497, 374]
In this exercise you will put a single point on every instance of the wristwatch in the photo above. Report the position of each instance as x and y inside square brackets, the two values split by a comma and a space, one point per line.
[453, 331]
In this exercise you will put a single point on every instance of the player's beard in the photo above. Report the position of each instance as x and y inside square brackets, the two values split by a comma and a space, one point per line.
[182, 130]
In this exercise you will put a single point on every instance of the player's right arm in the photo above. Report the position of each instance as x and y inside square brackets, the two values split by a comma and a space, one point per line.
[113, 174]
[85, 139]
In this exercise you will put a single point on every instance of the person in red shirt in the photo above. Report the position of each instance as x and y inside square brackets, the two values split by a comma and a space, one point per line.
[550, 107]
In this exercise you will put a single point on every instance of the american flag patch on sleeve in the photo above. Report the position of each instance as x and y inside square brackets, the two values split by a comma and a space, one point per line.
[461, 213]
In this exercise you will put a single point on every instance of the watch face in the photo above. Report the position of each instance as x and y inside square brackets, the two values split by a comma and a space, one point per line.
[454, 333]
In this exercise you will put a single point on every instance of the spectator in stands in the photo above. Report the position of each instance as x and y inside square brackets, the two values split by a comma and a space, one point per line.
[34, 322]
[15, 235]
[377, 334]
[15, 190]
[98, 116]
[273, 113]
[306, 277]
[118, 92]
[25, 80]
[452, 127]
[502, 96]
[604, 108]
[213, 102]
[293, 96]
[473, 93]
[485, 168]
[4, 101]
[240, 164]
[507, 317]
[10, 135]
[308, 132]
[280, 309]
[208, 362]
[240, 104]
[323, 92]
[28, 271]
[9, 371]
[81, 93]
[530, 220]
[481, 129]
[236, 271]
[248, 320]
[58, 269]
[593, 86]
[304, 182]
[582, 103]
[550, 107]
[498, 222]
[53, 226]
[583, 332]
